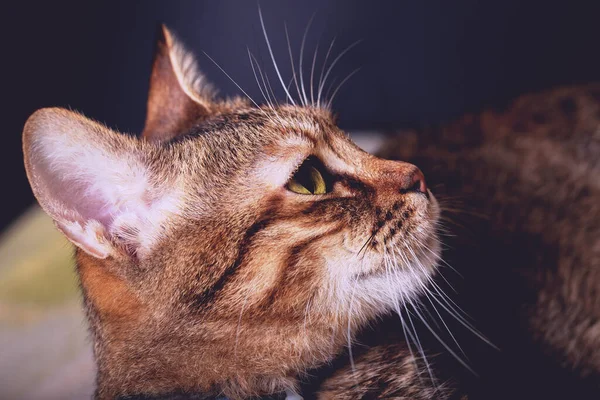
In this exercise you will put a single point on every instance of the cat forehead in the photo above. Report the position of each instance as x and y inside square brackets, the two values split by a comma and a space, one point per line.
[314, 122]
[286, 123]
[311, 122]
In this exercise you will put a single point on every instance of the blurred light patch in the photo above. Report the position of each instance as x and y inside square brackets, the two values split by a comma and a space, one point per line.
[44, 346]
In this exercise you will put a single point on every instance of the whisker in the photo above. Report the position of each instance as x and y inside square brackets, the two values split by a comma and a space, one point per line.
[404, 330]
[442, 320]
[302, 57]
[366, 243]
[323, 68]
[467, 325]
[408, 339]
[340, 86]
[264, 95]
[262, 24]
[330, 68]
[289, 84]
[448, 348]
[270, 98]
[312, 74]
[458, 317]
[436, 286]
[423, 319]
[230, 78]
[447, 298]
[437, 257]
[426, 310]
[464, 211]
[292, 63]
[431, 296]
[397, 301]
[421, 350]
[271, 89]
[329, 90]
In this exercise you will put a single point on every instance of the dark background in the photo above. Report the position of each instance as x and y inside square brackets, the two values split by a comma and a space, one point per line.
[421, 61]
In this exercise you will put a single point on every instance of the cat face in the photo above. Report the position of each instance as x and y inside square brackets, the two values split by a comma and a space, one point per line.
[307, 221]
[232, 246]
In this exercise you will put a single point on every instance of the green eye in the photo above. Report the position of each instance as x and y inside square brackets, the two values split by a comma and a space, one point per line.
[308, 179]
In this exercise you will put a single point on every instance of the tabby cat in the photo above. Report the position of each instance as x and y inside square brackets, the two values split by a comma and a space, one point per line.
[232, 247]
[237, 250]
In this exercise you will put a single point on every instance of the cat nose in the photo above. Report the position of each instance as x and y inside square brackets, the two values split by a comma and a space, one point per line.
[414, 181]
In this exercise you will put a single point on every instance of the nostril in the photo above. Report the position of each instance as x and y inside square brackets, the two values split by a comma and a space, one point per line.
[416, 187]
[417, 184]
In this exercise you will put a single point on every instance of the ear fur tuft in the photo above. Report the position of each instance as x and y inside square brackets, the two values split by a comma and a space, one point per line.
[185, 66]
[179, 94]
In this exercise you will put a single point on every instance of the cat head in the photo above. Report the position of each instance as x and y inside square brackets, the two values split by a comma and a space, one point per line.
[230, 247]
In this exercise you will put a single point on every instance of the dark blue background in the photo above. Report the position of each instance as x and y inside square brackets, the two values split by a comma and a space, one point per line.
[421, 61]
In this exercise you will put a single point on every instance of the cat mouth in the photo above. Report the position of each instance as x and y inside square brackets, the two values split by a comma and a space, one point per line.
[407, 251]
[389, 268]
[365, 275]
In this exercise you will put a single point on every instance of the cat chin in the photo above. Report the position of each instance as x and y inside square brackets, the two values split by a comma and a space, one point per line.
[397, 283]
[394, 287]
[383, 290]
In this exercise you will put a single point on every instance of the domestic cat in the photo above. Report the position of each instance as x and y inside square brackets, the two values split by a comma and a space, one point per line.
[232, 248]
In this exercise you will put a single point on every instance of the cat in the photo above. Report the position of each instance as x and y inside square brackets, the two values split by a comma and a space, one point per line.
[232, 247]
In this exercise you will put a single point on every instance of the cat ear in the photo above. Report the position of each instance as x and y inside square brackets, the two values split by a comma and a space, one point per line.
[96, 183]
[179, 94]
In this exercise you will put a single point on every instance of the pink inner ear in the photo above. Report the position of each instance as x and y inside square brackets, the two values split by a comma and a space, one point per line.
[81, 190]
[88, 181]
[93, 182]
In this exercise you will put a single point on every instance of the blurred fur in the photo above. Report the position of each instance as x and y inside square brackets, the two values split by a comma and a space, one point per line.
[520, 192]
